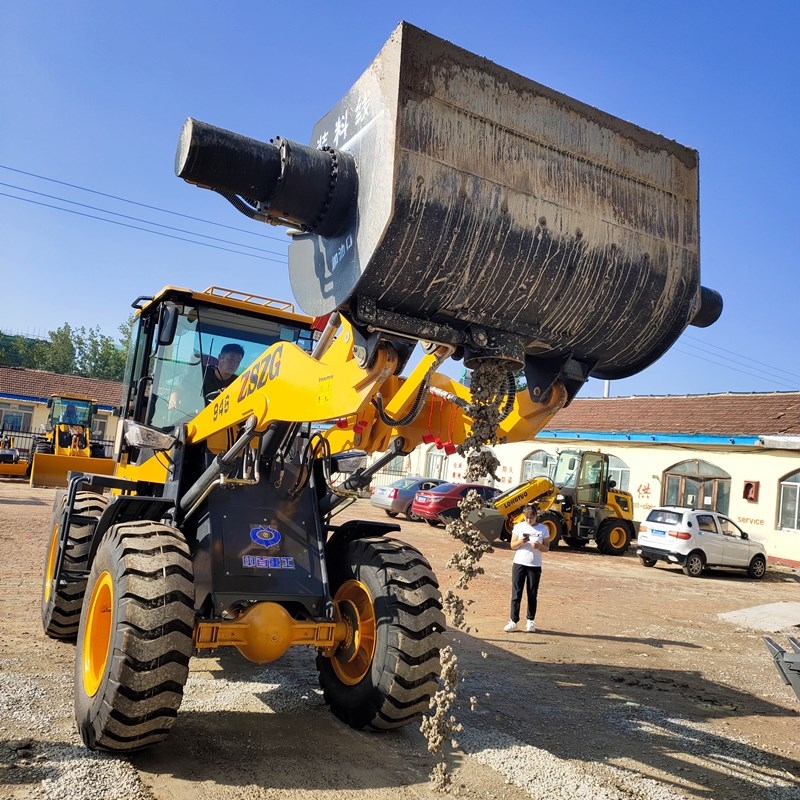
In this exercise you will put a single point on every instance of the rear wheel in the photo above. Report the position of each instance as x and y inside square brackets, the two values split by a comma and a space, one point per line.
[758, 567]
[384, 674]
[555, 527]
[61, 605]
[647, 562]
[613, 537]
[432, 522]
[135, 637]
[694, 566]
[391, 514]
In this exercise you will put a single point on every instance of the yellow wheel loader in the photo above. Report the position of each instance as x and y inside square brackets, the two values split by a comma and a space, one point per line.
[12, 465]
[66, 443]
[581, 504]
[445, 202]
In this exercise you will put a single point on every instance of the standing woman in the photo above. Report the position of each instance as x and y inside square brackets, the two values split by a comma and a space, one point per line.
[530, 539]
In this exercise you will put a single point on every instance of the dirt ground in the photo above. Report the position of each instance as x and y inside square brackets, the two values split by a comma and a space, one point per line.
[631, 688]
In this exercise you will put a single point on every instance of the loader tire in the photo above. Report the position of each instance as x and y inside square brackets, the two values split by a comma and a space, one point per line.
[42, 446]
[385, 673]
[135, 637]
[574, 543]
[556, 527]
[61, 605]
[613, 537]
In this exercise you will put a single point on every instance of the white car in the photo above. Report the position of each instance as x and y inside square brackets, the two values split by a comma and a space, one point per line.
[696, 539]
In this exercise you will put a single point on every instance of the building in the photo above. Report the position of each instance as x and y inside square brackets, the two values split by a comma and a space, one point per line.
[736, 453]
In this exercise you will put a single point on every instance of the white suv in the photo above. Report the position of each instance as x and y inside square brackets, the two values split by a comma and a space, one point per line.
[697, 539]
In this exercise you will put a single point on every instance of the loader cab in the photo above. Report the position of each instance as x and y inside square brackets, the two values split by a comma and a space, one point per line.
[583, 475]
[177, 340]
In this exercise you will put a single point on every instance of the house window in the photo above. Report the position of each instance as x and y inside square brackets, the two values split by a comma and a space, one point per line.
[788, 503]
[16, 417]
[537, 463]
[435, 464]
[697, 484]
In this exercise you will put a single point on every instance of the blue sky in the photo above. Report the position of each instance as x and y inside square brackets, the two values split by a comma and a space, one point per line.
[94, 94]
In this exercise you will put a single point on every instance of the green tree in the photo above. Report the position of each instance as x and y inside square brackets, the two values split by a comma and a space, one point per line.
[62, 353]
[17, 351]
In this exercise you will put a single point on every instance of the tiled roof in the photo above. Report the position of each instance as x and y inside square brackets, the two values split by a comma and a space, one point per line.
[775, 413]
[36, 383]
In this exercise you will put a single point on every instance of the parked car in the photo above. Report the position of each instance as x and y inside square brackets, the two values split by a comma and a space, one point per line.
[396, 498]
[431, 503]
[695, 539]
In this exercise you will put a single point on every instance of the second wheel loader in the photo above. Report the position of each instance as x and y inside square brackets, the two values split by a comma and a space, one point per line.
[66, 443]
[579, 505]
[445, 202]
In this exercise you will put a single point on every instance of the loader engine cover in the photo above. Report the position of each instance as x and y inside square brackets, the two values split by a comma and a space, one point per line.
[498, 214]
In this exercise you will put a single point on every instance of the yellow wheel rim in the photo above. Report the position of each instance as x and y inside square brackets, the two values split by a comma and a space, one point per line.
[97, 636]
[52, 553]
[616, 537]
[352, 659]
[551, 530]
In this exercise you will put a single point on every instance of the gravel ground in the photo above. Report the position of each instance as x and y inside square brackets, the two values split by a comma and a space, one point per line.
[632, 688]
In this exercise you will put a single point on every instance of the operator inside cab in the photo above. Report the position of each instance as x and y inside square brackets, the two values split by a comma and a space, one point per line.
[218, 374]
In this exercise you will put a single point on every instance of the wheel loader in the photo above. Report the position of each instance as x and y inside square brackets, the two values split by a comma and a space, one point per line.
[446, 208]
[12, 464]
[581, 504]
[66, 443]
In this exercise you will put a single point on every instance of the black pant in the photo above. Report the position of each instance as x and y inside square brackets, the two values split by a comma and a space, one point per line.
[522, 575]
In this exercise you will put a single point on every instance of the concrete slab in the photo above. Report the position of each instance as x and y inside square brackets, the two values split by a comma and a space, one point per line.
[769, 617]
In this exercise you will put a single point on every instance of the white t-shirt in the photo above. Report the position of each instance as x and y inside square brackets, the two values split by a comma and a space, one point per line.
[525, 554]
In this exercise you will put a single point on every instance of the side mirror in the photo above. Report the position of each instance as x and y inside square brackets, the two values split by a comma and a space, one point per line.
[168, 323]
[745, 535]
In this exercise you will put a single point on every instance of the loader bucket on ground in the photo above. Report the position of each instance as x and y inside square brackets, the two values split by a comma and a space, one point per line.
[14, 470]
[51, 470]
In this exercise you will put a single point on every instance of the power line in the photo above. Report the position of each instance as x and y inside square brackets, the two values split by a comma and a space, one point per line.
[770, 368]
[763, 374]
[251, 232]
[145, 230]
[135, 219]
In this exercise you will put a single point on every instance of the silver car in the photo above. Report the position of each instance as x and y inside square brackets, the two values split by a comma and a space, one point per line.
[694, 539]
[396, 498]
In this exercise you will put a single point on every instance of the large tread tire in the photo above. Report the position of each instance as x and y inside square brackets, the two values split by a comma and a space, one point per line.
[43, 446]
[556, 527]
[613, 537]
[135, 637]
[61, 605]
[409, 623]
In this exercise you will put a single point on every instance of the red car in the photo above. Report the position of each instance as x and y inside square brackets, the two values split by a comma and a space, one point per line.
[432, 502]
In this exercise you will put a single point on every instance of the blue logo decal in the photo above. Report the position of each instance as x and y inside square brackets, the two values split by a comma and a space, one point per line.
[265, 536]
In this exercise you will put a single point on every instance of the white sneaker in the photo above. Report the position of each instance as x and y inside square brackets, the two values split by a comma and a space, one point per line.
[530, 627]
[510, 626]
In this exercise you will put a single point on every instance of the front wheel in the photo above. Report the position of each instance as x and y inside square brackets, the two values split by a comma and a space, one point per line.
[411, 516]
[758, 567]
[556, 528]
[135, 637]
[384, 673]
[613, 537]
